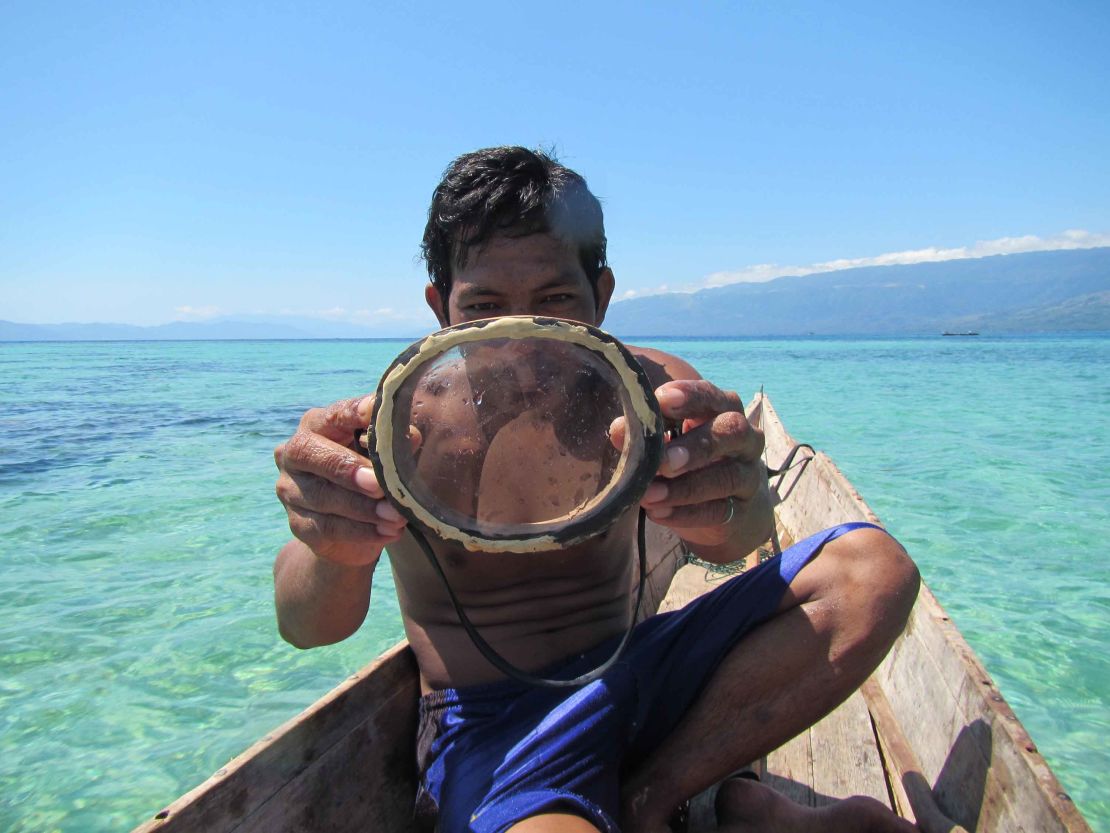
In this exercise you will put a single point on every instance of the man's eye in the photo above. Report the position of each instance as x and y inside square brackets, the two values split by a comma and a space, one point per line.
[558, 298]
[482, 306]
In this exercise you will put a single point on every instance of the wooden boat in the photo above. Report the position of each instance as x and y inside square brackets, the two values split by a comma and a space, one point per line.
[928, 734]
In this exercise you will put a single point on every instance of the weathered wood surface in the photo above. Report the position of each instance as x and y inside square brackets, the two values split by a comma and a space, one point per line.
[344, 761]
[979, 765]
[910, 792]
[846, 758]
[983, 767]
[664, 557]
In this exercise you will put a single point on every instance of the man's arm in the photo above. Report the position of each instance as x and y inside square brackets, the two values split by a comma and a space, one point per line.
[712, 486]
[341, 523]
[318, 602]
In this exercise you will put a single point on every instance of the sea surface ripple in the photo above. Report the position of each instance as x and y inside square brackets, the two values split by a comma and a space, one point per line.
[138, 526]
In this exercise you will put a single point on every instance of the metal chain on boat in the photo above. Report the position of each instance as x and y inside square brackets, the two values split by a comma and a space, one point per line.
[719, 572]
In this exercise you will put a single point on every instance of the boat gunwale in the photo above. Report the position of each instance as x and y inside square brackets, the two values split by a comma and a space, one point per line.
[397, 659]
[927, 604]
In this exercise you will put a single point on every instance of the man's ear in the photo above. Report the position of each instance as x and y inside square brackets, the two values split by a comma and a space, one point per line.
[438, 304]
[606, 283]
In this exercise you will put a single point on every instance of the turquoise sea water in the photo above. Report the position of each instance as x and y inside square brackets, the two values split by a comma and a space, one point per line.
[138, 525]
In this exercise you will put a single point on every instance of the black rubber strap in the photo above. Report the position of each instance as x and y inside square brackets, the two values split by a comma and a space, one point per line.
[506, 667]
[788, 463]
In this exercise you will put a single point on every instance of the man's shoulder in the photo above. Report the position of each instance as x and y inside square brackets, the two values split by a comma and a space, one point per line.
[662, 367]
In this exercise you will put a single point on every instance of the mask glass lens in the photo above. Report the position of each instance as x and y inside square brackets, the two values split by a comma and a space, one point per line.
[508, 439]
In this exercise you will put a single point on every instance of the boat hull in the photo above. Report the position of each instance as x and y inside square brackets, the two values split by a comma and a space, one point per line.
[929, 734]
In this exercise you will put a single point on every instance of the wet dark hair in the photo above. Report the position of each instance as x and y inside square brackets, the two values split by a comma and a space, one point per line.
[510, 191]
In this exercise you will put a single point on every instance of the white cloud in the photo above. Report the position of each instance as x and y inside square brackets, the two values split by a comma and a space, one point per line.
[389, 314]
[662, 289]
[759, 273]
[1070, 239]
[198, 312]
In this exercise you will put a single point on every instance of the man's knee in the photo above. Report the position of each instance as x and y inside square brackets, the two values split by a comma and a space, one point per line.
[872, 564]
[554, 823]
[866, 580]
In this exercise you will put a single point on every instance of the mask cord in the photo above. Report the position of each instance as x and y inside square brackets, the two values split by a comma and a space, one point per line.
[506, 667]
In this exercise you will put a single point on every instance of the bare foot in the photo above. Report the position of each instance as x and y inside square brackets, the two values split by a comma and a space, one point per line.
[745, 806]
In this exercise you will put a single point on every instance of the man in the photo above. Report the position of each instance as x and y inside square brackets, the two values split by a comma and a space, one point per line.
[511, 231]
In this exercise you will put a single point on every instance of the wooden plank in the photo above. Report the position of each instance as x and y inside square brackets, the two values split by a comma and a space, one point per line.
[251, 779]
[945, 646]
[914, 682]
[790, 770]
[846, 759]
[970, 750]
[688, 583]
[665, 552]
[906, 777]
[364, 782]
[838, 757]
[932, 671]
[979, 733]
[955, 753]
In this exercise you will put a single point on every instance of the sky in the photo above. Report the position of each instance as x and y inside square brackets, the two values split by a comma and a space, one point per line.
[191, 161]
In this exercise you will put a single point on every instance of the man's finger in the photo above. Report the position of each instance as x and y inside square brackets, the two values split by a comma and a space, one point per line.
[340, 420]
[312, 453]
[726, 435]
[695, 399]
[701, 515]
[617, 431]
[338, 539]
[301, 491]
[722, 480]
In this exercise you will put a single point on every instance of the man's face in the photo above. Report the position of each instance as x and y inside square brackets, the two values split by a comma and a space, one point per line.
[537, 274]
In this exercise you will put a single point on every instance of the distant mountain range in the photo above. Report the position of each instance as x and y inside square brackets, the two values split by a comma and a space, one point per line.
[223, 329]
[1022, 293]
[1033, 292]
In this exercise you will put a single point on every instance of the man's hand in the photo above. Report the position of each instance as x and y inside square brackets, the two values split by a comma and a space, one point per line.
[712, 485]
[329, 490]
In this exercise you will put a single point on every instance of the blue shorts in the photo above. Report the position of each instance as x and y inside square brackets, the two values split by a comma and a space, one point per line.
[493, 755]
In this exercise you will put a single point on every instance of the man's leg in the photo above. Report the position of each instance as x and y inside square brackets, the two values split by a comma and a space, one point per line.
[835, 623]
[554, 823]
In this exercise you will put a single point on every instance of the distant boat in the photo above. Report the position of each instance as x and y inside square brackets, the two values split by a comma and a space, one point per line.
[969, 333]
